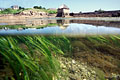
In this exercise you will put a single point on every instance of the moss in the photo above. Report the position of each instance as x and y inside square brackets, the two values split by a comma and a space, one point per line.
[100, 74]
[78, 46]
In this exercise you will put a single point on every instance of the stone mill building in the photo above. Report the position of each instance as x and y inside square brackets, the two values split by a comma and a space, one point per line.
[63, 11]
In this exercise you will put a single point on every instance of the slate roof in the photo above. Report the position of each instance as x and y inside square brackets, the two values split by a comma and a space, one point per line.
[63, 7]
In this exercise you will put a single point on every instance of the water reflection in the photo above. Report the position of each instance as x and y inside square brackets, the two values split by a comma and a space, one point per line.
[68, 27]
[63, 24]
[38, 22]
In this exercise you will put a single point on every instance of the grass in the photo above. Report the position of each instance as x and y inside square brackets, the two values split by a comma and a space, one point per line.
[11, 11]
[42, 10]
[30, 57]
[52, 11]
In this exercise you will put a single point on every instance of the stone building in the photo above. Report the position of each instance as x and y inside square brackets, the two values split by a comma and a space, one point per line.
[63, 11]
[1, 9]
[15, 7]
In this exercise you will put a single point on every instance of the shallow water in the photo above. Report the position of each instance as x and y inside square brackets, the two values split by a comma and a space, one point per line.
[67, 27]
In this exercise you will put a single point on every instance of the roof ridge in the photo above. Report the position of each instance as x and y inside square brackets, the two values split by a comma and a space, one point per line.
[64, 6]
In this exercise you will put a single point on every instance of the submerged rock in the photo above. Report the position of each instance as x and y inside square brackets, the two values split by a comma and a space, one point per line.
[75, 70]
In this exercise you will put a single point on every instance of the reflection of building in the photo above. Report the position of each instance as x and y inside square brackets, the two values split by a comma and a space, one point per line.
[63, 23]
[15, 7]
[63, 11]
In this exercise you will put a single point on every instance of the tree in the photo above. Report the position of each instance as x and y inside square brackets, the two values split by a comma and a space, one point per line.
[7, 11]
[80, 12]
[39, 7]
[100, 10]
[43, 8]
[21, 7]
[36, 7]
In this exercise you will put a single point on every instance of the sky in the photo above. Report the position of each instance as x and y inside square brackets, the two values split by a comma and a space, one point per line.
[74, 5]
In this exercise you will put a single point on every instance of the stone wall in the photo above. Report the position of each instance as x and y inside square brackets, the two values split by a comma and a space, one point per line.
[63, 12]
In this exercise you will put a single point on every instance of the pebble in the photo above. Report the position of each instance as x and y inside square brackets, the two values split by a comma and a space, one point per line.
[73, 61]
[75, 70]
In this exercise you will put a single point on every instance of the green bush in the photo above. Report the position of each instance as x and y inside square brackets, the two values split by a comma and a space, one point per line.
[52, 12]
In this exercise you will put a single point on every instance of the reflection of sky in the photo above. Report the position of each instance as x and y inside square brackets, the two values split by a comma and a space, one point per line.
[72, 29]
[3, 23]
